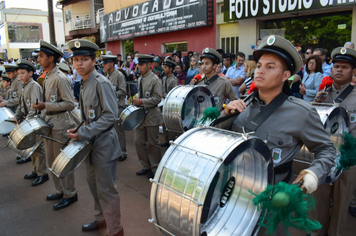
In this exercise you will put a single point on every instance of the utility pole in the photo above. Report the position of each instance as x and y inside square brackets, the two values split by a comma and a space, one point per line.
[52, 34]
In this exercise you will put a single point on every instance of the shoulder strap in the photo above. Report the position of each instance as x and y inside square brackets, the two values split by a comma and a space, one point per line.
[215, 77]
[266, 112]
[344, 94]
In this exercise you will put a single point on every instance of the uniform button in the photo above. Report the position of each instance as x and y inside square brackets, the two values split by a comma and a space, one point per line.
[280, 142]
[337, 92]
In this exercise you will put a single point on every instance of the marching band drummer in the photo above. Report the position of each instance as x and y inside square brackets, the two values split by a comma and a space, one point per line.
[118, 81]
[340, 193]
[99, 111]
[169, 81]
[6, 83]
[273, 109]
[147, 134]
[30, 93]
[16, 88]
[219, 86]
[58, 100]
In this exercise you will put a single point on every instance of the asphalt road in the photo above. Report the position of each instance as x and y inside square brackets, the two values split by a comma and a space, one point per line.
[25, 212]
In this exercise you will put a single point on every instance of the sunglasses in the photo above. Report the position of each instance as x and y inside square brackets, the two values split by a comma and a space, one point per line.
[307, 53]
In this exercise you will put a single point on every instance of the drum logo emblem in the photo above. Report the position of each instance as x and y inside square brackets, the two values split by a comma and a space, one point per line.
[276, 155]
[53, 98]
[334, 127]
[227, 191]
[91, 114]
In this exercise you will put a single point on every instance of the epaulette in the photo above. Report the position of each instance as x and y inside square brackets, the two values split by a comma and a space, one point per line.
[300, 102]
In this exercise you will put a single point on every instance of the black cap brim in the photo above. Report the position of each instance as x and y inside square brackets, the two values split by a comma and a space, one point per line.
[345, 58]
[214, 59]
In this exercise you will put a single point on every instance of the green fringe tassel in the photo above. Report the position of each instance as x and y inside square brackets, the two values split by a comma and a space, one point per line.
[210, 113]
[348, 152]
[294, 214]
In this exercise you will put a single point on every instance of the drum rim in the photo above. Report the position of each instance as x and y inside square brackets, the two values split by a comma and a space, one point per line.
[135, 109]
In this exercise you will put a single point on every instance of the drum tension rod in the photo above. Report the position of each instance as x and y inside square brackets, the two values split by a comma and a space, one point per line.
[51, 139]
[152, 221]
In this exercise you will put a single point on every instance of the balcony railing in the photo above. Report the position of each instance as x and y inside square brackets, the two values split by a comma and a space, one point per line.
[84, 22]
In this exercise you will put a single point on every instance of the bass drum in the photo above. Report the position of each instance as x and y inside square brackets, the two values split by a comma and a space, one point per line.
[131, 117]
[70, 158]
[28, 133]
[24, 154]
[336, 122]
[201, 186]
[5, 126]
[184, 107]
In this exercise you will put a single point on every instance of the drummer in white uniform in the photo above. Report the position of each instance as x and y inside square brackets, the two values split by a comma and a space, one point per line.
[31, 92]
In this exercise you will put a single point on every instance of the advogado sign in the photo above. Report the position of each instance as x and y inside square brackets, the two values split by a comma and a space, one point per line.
[155, 16]
[242, 9]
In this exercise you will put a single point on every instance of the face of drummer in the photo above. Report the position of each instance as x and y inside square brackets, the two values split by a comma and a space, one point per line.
[12, 74]
[167, 70]
[84, 65]
[108, 66]
[44, 60]
[342, 72]
[6, 84]
[271, 73]
[208, 67]
[24, 75]
[144, 68]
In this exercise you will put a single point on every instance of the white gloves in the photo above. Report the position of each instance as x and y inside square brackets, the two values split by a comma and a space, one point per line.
[310, 181]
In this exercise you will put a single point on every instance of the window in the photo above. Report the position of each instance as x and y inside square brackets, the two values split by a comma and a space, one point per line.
[230, 44]
[24, 33]
[68, 15]
[173, 47]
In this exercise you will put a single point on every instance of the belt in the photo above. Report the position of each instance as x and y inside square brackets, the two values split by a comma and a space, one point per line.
[51, 113]
[284, 168]
[98, 136]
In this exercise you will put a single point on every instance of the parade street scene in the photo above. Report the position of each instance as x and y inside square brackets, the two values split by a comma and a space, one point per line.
[177, 118]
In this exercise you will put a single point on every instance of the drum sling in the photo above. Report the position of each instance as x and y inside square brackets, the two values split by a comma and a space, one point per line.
[344, 94]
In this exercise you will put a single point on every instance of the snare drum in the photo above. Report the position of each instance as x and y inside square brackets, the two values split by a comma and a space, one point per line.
[70, 158]
[131, 117]
[201, 186]
[24, 154]
[336, 122]
[184, 107]
[5, 126]
[28, 133]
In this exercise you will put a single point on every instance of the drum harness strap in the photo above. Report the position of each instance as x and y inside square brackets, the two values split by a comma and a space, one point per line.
[50, 113]
[344, 94]
[215, 77]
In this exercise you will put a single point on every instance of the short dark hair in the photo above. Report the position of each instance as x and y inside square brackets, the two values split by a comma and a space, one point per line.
[241, 54]
[118, 55]
[55, 56]
[322, 50]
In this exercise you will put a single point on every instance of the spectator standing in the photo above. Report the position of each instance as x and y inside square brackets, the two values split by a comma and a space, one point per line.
[322, 54]
[180, 74]
[76, 88]
[312, 78]
[193, 69]
[236, 74]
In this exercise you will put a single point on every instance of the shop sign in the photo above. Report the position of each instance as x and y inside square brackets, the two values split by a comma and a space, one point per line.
[154, 17]
[243, 9]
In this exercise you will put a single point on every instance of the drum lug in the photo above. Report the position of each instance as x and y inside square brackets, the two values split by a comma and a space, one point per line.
[157, 225]
[178, 193]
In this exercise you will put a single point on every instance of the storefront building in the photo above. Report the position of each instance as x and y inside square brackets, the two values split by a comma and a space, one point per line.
[306, 23]
[158, 27]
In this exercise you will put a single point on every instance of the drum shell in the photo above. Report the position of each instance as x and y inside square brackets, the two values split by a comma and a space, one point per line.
[5, 126]
[335, 121]
[132, 117]
[176, 103]
[25, 135]
[187, 173]
[24, 154]
[70, 158]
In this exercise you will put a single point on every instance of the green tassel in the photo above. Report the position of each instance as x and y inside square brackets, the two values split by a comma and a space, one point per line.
[348, 152]
[210, 113]
[287, 204]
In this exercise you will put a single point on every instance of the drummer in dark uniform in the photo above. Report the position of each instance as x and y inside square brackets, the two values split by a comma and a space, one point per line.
[146, 135]
[341, 191]
[169, 82]
[99, 111]
[58, 100]
[31, 92]
[219, 86]
[118, 81]
[285, 122]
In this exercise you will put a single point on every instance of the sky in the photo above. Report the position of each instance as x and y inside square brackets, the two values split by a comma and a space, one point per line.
[31, 4]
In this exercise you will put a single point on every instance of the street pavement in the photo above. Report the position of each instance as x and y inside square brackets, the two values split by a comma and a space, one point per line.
[25, 212]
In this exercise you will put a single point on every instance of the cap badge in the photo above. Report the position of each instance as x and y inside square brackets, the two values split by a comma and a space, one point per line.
[18, 61]
[206, 50]
[343, 51]
[271, 39]
[77, 44]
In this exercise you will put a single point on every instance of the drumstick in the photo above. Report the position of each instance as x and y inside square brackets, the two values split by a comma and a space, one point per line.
[51, 139]
[36, 109]
[76, 130]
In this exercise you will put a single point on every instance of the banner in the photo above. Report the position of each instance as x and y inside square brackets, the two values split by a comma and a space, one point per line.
[243, 9]
[154, 17]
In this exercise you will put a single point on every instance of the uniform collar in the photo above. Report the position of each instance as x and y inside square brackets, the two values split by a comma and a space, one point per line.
[28, 82]
[53, 71]
[90, 77]
[343, 87]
